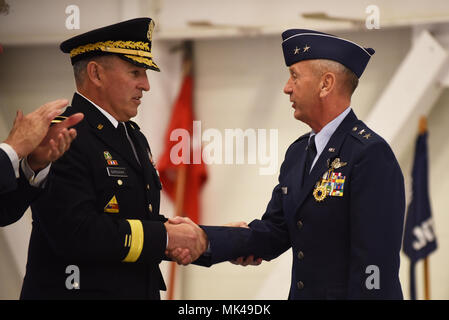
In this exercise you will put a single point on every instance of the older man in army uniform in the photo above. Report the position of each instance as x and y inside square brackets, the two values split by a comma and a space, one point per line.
[340, 201]
[100, 216]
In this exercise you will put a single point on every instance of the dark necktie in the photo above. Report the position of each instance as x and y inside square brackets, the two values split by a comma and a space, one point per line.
[311, 154]
[150, 177]
[124, 133]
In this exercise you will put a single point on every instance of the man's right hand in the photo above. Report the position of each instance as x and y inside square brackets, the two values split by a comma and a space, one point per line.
[186, 240]
[28, 131]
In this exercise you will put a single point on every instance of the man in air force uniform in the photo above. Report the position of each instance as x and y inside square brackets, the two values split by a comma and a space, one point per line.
[340, 201]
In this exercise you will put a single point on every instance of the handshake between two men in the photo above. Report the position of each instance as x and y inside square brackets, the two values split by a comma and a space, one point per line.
[187, 242]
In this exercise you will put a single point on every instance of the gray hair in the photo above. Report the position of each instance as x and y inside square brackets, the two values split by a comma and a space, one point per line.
[350, 79]
[80, 67]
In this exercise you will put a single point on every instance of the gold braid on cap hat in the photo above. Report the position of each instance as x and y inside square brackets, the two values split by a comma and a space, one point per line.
[142, 60]
[136, 48]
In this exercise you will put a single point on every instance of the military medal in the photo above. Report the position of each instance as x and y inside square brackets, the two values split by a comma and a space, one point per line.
[109, 160]
[331, 183]
[320, 193]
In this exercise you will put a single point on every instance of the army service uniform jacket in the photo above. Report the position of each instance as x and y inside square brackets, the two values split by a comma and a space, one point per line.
[15, 194]
[346, 244]
[97, 232]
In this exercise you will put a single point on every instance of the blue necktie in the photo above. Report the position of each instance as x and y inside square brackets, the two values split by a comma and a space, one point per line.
[311, 154]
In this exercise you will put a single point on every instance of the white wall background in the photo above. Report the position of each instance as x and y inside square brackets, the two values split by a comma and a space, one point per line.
[239, 81]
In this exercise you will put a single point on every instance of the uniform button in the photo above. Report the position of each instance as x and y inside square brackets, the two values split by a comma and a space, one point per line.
[150, 207]
[300, 285]
[300, 255]
[299, 224]
[148, 187]
[119, 182]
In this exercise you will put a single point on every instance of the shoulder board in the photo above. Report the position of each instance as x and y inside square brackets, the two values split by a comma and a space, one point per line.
[58, 119]
[361, 132]
[67, 113]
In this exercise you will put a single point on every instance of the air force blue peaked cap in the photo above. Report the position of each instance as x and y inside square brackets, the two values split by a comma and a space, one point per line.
[302, 44]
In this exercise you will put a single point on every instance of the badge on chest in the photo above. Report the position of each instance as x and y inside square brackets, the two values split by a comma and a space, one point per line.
[331, 183]
[112, 206]
[109, 160]
[117, 172]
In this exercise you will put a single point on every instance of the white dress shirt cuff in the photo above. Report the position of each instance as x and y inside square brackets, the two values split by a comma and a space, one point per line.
[35, 180]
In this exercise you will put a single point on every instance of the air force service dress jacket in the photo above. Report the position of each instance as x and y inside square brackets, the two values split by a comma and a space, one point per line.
[343, 223]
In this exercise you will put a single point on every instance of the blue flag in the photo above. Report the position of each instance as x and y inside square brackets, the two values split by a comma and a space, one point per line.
[419, 236]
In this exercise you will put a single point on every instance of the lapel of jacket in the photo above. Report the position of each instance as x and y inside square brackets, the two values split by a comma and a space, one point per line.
[104, 130]
[321, 165]
[295, 176]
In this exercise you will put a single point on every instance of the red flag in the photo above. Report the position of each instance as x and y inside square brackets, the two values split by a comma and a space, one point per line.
[196, 175]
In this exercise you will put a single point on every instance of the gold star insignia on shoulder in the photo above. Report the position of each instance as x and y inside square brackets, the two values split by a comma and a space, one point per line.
[306, 48]
[297, 50]
[366, 136]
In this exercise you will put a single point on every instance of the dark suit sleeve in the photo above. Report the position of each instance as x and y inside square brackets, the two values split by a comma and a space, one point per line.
[376, 221]
[74, 225]
[8, 180]
[15, 194]
[266, 238]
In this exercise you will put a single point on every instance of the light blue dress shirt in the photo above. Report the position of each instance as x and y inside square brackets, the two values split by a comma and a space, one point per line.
[323, 137]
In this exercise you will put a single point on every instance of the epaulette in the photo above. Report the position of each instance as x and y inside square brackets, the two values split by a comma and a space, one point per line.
[67, 113]
[362, 133]
[58, 119]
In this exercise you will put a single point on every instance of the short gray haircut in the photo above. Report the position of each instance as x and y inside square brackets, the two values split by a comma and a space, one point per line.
[350, 79]
[80, 67]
